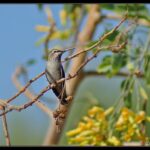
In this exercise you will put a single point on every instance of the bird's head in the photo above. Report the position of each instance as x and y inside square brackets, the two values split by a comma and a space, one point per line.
[55, 54]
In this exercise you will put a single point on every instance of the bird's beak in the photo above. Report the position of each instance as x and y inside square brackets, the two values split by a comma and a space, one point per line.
[68, 49]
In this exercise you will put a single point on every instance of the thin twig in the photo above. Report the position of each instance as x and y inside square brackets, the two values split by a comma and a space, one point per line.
[28, 93]
[51, 30]
[98, 43]
[120, 74]
[5, 128]
[25, 87]
[140, 21]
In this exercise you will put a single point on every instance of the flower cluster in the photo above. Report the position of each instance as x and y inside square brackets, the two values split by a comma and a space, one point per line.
[95, 128]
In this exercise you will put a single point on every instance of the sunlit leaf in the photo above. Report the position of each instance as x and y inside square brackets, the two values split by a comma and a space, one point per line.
[118, 62]
[105, 66]
[128, 100]
[143, 93]
[42, 28]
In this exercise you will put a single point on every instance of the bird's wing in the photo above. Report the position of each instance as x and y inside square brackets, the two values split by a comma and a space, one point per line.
[59, 90]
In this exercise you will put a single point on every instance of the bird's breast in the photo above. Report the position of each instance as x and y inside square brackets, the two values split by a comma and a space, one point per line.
[53, 71]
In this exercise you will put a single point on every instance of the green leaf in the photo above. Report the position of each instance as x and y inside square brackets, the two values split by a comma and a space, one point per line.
[40, 41]
[31, 62]
[112, 36]
[105, 66]
[91, 43]
[147, 62]
[40, 6]
[70, 7]
[147, 68]
[128, 100]
[125, 84]
[107, 6]
[118, 62]
[143, 93]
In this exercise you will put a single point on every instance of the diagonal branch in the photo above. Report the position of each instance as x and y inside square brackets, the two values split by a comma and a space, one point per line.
[28, 93]
[25, 87]
[119, 74]
[50, 86]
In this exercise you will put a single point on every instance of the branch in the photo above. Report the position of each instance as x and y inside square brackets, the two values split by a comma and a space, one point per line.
[27, 93]
[143, 22]
[25, 87]
[98, 43]
[5, 128]
[51, 30]
[83, 37]
[120, 74]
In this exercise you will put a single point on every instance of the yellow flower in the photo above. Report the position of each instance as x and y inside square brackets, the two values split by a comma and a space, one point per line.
[140, 117]
[131, 131]
[114, 141]
[42, 28]
[89, 124]
[125, 112]
[74, 132]
[63, 17]
[100, 116]
[78, 139]
[127, 137]
[148, 119]
[94, 110]
[109, 111]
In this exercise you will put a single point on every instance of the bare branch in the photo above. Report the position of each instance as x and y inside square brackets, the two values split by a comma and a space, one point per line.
[28, 93]
[120, 74]
[98, 43]
[51, 29]
[5, 128]
[25, 87]
[141, 21]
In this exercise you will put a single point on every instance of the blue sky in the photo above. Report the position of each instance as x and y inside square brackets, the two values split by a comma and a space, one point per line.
[18, 37]
[17, 45]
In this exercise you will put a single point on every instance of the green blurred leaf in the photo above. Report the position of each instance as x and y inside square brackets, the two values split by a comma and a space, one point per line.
[128, 100]
[91, 43]
[105, 66]
[147, 68]
[125, 84]
[118, 62]
[108, 6]
[70, 7]
[40, 41]
[40, 6]
[31, 62]
[111, 37]
[143, 93]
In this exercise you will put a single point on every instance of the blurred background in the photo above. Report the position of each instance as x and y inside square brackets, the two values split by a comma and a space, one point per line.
[18, 46]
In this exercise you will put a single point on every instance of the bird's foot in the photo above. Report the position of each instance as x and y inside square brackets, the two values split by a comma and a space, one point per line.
[69, 99]
[56, 113]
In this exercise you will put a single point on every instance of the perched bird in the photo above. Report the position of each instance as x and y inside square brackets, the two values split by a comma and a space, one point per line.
[54, 71]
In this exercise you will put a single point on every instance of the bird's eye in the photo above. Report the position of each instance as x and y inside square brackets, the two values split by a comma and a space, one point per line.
[57, 51]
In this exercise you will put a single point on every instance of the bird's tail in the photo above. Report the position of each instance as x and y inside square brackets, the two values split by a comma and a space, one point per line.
[63, 97]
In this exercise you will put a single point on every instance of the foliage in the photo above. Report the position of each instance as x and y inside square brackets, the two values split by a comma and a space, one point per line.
[133, 60]
[96, 128]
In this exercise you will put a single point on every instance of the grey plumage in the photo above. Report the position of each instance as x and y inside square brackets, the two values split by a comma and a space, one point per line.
[54, 71]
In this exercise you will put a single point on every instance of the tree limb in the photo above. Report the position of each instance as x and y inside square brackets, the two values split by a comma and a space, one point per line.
[119, 74]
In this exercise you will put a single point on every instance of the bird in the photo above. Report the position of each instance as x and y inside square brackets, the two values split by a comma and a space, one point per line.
[54, 71]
